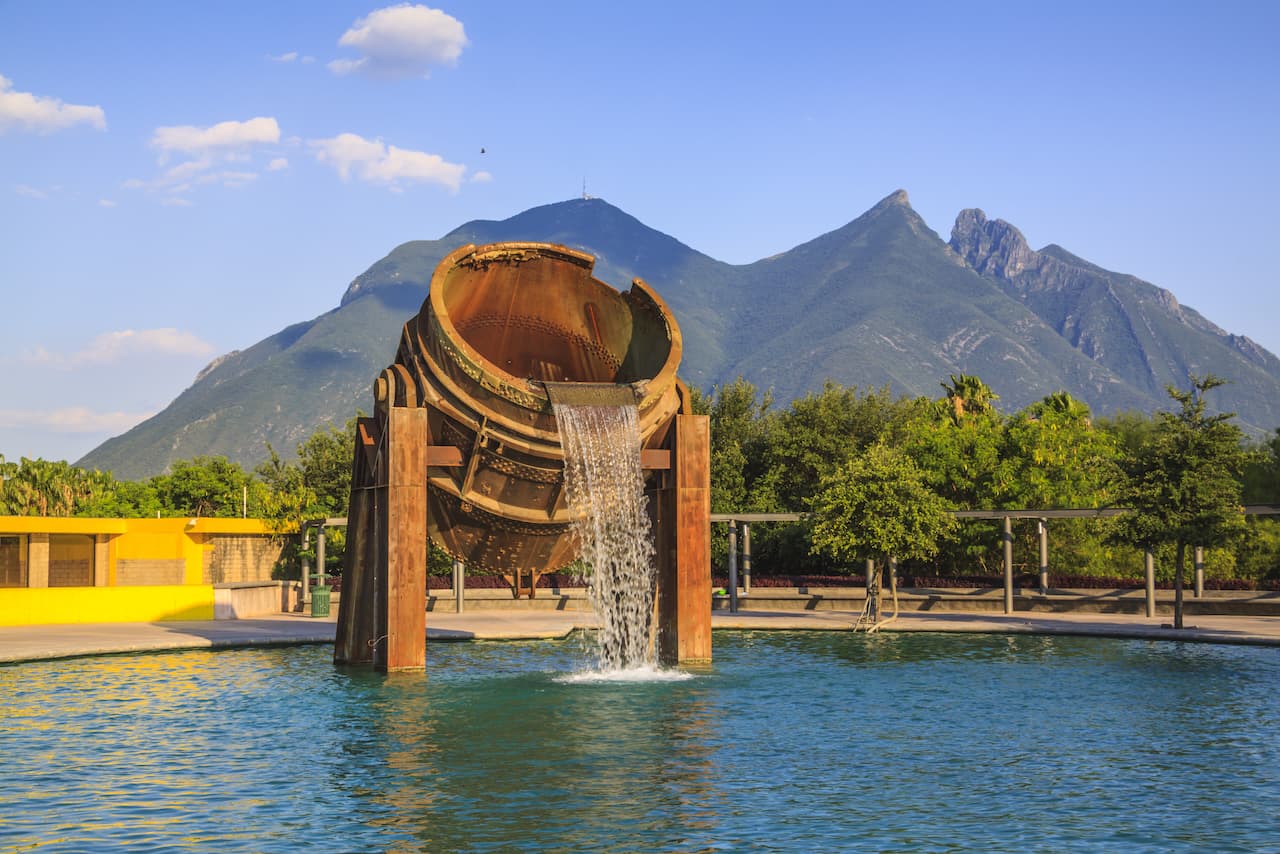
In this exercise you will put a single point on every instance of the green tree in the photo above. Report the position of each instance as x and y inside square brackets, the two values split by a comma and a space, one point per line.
[738, 414]
[1054, 458]
[36, 487]
[876, 503]
[967, 396]
[1262, 473]
[958, 443]
[204, 486]
[1183, 486]
[821, 430]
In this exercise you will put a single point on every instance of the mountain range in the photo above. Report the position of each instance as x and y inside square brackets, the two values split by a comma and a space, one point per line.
[880, 301]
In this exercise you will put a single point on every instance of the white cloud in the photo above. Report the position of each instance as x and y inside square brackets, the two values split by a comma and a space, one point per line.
[30, 192]
[176, 201]
[206, 149]
[106, 203]
[402, 41]
[378, 163]
[481, 177]
[112, 347]
[224, 138]
[229, 178]
[75, 419]
[277, 164]
[285, 57]
[42, 114]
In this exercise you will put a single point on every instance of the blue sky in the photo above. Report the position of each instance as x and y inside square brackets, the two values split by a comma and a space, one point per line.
[178, 180]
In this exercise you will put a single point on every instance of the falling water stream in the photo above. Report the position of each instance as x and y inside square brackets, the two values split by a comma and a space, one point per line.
[604, 487]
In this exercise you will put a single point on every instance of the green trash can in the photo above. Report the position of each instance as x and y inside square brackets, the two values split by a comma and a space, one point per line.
[320, 601]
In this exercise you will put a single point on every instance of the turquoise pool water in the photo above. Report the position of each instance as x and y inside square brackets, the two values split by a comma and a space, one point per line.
[790, 742]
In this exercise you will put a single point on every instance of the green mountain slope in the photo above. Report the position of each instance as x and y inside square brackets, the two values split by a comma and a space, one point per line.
[882, 300]
[1135, 329]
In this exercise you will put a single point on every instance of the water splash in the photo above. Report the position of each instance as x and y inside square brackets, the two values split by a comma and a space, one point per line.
[604, 487]
[645, 673]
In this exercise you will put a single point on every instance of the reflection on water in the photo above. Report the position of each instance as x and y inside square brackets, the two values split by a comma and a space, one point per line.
[790, 741]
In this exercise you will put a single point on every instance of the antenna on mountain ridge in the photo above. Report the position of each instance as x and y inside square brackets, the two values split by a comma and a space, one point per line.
[585, 197]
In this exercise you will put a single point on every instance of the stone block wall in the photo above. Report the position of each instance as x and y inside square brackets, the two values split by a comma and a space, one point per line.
[140, 572]
[240, 557]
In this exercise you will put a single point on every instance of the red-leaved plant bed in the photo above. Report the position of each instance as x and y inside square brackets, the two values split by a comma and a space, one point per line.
[794, 581]
[497, 582]
[1024, 579]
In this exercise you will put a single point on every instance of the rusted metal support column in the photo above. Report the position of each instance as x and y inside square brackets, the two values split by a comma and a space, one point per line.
[1043, 530]
[746, 557]
[683, 528]
[404, 586]
[459, 585]
[363, 563]
[1149, 564]
[1007, 537]
[733, 567]
[1199, 572]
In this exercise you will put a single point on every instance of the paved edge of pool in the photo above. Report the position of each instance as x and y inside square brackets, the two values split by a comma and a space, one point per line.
[41, 643]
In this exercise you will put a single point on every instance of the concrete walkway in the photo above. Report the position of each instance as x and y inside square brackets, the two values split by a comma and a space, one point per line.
[34, 643]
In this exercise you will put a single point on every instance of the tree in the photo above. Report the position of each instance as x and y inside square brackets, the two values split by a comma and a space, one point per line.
[737, 442]
[1054, 458]
[968, 395]
[876, 503]
[958, 441]
[1183, 486]
[1262, 473]
[203, 486]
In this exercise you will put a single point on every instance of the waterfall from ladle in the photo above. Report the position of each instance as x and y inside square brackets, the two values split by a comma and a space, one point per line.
[604, 488]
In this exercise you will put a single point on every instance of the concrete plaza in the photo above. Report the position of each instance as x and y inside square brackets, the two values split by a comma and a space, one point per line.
[34, 643]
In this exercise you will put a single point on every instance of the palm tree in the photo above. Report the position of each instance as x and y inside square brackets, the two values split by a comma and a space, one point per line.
[968, 395]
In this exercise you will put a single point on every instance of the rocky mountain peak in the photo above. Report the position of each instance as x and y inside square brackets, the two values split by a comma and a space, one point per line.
[992, 247]
[898, 198]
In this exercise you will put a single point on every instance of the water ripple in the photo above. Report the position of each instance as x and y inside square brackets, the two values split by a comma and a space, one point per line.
[789, 742]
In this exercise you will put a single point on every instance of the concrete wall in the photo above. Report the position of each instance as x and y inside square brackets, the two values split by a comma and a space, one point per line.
[238, 601]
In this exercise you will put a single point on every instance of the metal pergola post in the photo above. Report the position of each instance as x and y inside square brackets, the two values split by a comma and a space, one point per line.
[733, 567]
[1149, 565]
[1007, 536]
[459, 585]
[1043, 530]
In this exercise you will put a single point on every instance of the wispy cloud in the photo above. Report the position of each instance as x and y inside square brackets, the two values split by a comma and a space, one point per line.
[216, 140]
[113, 347]
[75, 419]
[30, 192]
[207, 150]
[277, 164]
[292, 56]
[402, 41]
[378, 163]
[481, 177]
[23, 111]
[106, 203]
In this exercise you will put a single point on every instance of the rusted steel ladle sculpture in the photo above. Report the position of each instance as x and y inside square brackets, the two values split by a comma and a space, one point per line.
[463, 447]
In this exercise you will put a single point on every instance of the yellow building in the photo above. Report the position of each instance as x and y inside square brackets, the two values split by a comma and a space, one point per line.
[59, 570]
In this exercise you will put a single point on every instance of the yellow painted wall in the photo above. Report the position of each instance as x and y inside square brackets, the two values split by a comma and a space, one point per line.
[29, 607]
[126, 539]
